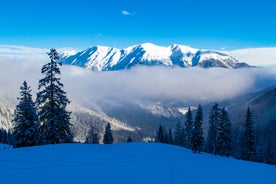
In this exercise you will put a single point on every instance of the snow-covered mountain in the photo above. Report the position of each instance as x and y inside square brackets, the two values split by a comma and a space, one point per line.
[101, 58]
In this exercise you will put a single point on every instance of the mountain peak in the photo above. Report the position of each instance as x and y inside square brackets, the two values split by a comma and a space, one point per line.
[103, 58]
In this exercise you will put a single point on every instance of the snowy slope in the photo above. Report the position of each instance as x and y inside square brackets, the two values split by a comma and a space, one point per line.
[100, 58]
[125, 163]
[207, 59]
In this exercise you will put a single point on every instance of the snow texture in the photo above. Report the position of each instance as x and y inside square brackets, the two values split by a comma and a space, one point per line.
[125, 163]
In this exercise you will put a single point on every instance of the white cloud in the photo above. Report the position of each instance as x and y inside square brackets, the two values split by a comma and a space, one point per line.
[14, 53]
[134, 84]
[20, 50]
[255, 56]
[159, 82]
[125, 12]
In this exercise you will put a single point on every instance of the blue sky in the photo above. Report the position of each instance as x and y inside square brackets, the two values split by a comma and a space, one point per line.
[212, 24]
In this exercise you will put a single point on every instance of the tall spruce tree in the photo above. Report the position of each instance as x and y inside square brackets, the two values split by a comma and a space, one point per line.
[197, 137]
[25, 119]
[248, 142]
[224, 135]
[188, 129]
[51, 104]
[214, 120]
[108, 135]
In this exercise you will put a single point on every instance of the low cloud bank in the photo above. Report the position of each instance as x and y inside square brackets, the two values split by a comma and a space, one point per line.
[137, 83]
[255, 56]
[159, 82]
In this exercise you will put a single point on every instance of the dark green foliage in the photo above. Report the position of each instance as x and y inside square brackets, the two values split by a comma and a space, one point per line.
[165, 135]
[170, 137]
[25, 119]
[179, 134]
[224, 135]
[4, 136]
[92, 137]
[188, 129]
[270, 151]
[270, 155]
[197, 136]
[108, 135]
[248, 142]
[160, 137]
[51, 105]
[129, 139]
[214, 120]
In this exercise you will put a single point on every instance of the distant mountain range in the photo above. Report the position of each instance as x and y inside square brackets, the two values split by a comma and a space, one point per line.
[101, 58]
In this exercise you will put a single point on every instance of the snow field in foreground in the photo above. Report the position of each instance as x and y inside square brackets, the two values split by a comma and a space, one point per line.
[125, 163]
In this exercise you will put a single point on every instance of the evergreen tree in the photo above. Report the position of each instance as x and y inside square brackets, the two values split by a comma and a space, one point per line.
[165, 135]
[51, 104]
[6, 137]
[248, 147]
[108, 135]
[92, 137]
[270, 135]
[188, 129]
[129, 139]
[214, 120]
[170, 137]
[3, 136]
[160, 137]
[197, 136]
[224, 135]
[269, 157]
[25, 119]
[179, 134]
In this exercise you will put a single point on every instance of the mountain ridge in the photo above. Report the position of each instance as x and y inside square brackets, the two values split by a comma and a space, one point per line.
[103, 58]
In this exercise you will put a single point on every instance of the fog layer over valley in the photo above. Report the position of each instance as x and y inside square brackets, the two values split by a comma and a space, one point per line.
[136, 100]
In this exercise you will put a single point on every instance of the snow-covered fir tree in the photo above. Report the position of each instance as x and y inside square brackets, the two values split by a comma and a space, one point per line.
[51, 105]
[197, 136]
[188, 129]
[25, 119]
[108, 135]
[214, 120]
[92, 137]
[248, 142]
[224, 135]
